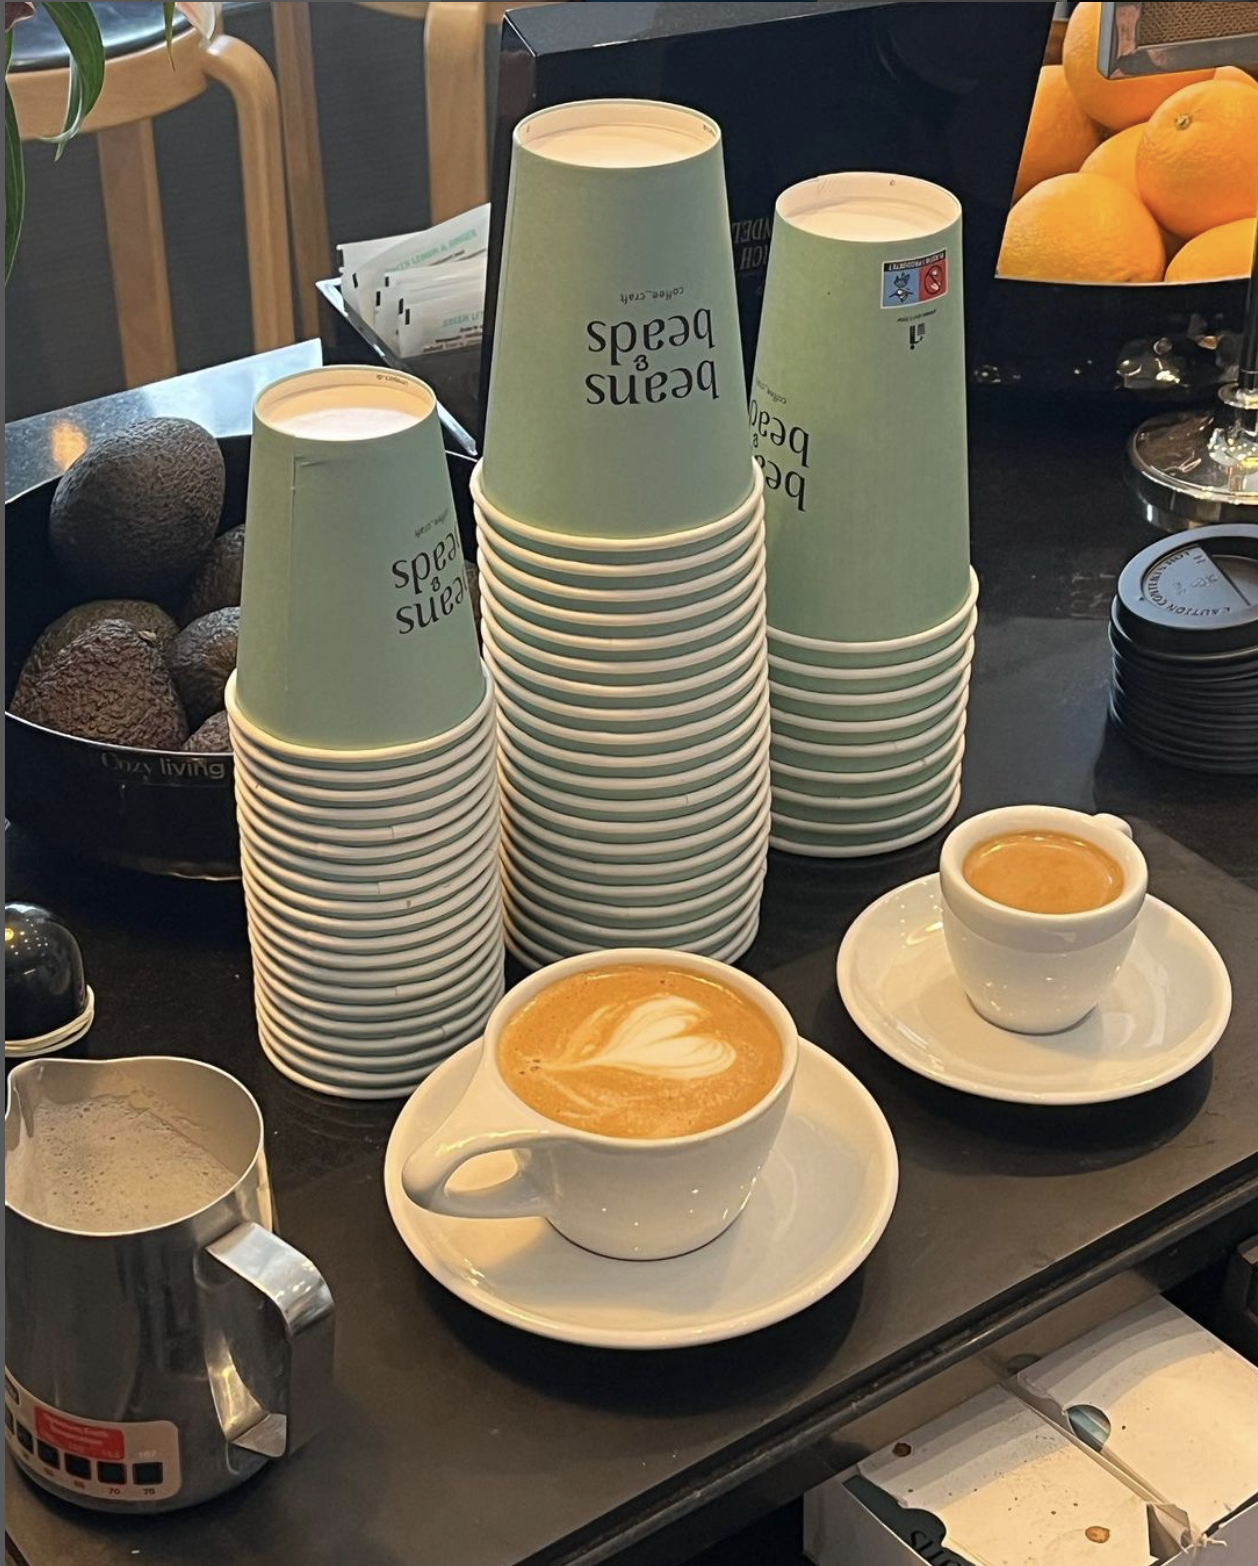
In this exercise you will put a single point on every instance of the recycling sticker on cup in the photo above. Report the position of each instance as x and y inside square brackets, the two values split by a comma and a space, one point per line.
[914, 282]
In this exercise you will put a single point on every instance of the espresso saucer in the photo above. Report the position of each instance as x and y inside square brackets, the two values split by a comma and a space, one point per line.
[817, 1210]
[1163, 1013]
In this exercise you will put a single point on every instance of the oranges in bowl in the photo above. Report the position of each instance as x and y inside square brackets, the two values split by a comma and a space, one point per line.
[1136, 180]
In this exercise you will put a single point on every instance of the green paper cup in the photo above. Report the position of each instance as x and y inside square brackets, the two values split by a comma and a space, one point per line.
[790, 726]
[616, 334]
[855, 815]
[879, 758]
[674, 761]
[356, 628]
[891, 678]
[812, 840]
[610, 597]
[858, 408]
[832, 658]
[871, 705]
[855, 790]
[725, 852]
[549, 882]
[728, 624]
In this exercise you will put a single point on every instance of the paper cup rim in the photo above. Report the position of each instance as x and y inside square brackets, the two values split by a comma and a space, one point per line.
[627, 809]
[532, 866]
[956, 745]
[280, 776]
[737, 885]
[868, 850]
[594, 112]
[378, 945]
[434, 745]
[613, 788]
[951, 725]
[583, 690]
[609, 742]
[436, 969]
[750, 632]
[737, 685]
[750, 607]
[636, 871]
[502, 541]
[330, 376]
[824, 191]
[361, 1019]
[876, 727]
[727, 952]
[606, 831]
[937, 682]
[664, 934]
[654, 545]
[459, 804]
[805, 824]
[619, 764]
[857, 672]
[339, 911]
[584, 601]
[690, 843]
[302, 845]
[891, 644]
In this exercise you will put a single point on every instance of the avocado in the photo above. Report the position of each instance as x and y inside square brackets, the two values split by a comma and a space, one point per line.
[134, 515]
[109, 685]
[217, 582]
[201, 659]
[146, 618]
[213, 735]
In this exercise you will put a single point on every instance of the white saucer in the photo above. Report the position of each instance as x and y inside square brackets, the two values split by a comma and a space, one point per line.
[817, 1211]
[1163, 1014]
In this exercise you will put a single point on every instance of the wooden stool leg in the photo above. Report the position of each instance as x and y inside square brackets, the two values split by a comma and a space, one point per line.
[303, 158]
[137, 251]
[454, 85]
[248, 78]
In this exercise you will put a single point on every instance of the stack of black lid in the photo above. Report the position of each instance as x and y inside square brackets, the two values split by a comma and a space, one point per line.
[1184, 629]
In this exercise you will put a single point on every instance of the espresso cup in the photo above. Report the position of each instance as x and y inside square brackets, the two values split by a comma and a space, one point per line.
[630, 1198]
[1038, 972]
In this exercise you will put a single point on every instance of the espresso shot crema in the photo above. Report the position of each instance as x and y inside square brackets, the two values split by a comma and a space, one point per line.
[1043, 872]
[640, 1050]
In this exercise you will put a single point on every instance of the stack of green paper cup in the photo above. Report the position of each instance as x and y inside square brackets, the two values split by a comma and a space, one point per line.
[363, 729]
[621, 532]
[633, 733]
[858, 424]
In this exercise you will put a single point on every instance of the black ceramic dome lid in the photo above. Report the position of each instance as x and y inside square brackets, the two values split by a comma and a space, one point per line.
[1194, 591]
[46, 996]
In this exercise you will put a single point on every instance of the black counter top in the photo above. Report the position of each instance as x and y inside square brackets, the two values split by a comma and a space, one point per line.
[461, 1442]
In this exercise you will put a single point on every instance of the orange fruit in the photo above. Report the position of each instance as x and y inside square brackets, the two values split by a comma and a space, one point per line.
[1125, 100]
[1116, 158]
[1081, 228]
[1233, 73]
[1197, 163]
[1226, 251]
[1059, 135]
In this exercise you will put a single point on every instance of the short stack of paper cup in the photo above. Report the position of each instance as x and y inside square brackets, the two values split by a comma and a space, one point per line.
[858, 423]
[621, 544]
[363, 729]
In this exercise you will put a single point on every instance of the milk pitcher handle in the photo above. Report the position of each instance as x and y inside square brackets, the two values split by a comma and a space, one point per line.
[299, 1308]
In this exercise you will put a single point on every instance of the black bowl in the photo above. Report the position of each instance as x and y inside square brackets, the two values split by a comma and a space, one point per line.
[170, 812]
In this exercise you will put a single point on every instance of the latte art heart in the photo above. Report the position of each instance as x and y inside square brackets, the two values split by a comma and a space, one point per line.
[664, 1036]
[636, 1050]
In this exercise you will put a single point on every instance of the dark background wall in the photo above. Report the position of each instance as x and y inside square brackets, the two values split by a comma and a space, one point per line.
[61, 343]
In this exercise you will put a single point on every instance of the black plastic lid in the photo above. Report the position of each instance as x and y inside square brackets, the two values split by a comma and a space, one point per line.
[1193, 591]
[1230, 659]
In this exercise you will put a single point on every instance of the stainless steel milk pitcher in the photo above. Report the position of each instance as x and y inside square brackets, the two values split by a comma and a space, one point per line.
[148, 1368]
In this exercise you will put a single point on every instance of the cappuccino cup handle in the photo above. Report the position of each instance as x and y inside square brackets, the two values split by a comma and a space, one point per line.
[486, 1121]
[1117, 822]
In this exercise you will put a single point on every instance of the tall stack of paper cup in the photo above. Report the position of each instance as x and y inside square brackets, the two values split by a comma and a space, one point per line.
[621, 537]
[858, 423]
[362, 723]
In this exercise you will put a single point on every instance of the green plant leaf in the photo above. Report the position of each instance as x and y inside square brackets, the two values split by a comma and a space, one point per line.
[76, 22]
[14, 178]
[168, 16]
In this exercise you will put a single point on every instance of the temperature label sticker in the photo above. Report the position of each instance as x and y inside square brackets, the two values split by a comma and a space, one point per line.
[916, 281]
